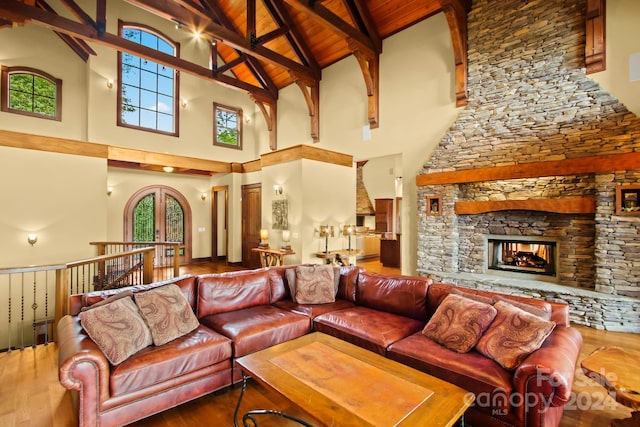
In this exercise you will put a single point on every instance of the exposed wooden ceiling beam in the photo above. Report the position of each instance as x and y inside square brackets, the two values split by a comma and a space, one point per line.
[79, 46]
[282, 17]
[89, 33]
[456, 13]
[332, 21]
[214, 11]
[172, 10]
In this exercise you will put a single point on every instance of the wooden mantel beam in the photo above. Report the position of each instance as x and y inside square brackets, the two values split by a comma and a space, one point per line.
[581, 165]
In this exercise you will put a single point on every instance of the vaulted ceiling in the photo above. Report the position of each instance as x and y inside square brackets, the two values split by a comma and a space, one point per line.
[260, 46]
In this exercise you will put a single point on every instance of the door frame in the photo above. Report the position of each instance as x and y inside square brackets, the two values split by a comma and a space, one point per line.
[162, 189]
[214, 221]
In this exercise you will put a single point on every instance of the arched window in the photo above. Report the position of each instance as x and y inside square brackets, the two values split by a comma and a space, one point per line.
[31, 92]
[159, 213]
[148, 92]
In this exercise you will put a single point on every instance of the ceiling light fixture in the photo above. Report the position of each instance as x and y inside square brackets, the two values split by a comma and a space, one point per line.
[168, 169]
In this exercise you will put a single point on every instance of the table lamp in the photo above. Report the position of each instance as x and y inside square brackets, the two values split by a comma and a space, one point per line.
[286, 238]
[264, 238]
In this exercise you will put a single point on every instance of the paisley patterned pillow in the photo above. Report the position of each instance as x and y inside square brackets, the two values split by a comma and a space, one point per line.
[314, 284]
[513, 335]
[459, 322]
[167, 312]
[117, 328]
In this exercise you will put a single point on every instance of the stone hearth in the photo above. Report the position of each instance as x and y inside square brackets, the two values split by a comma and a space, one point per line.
[530, 101]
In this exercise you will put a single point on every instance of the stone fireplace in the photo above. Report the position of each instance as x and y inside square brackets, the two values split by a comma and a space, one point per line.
[533, 257]
[531, 103]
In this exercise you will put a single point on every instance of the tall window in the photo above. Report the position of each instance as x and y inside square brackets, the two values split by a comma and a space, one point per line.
[31, 92]
[148, 92]
[227, 126]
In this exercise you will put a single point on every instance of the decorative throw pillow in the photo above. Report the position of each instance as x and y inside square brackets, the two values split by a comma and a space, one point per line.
[117, 328]
[290, 274]
[513, 335]
[167, 313]
[108, 300]
[538, 311]
[314, 284]
[459, 322]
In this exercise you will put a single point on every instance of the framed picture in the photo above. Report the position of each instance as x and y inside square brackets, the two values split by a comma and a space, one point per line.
[280, 214]
[434, 205]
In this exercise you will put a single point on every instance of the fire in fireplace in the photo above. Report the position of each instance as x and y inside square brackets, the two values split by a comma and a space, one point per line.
[522, 254]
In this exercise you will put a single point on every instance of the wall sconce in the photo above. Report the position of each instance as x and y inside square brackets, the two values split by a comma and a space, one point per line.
[203, 196]
[286, 240]
[264, 238]
[32, 238]
[349, 230]
[110, 83]
[184, 103]
[167, 169]
[247, 119]
[278, 189]
[109, 191]
[326, 231]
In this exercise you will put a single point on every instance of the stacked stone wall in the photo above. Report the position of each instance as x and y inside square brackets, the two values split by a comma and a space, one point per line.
[531, 101]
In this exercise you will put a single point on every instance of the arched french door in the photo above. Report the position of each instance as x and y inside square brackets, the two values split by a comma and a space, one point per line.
[159, 213]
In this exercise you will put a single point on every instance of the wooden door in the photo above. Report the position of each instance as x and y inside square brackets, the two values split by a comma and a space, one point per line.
[251, 224]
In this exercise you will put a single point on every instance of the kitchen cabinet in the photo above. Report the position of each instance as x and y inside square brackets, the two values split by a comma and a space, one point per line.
[384, 215]
[368, 245]
[390, 252]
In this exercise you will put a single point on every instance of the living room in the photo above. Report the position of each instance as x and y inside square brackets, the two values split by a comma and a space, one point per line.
[62, 197]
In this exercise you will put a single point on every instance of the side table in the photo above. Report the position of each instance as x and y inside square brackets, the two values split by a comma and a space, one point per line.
[272, 257]
[616, 369]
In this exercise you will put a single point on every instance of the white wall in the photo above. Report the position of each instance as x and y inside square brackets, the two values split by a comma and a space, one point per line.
[621, 41]
[62, 198]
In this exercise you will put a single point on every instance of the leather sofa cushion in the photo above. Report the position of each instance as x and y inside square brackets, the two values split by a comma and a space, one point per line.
[313, 310]
[489, 381]
[400, 295]
[223, 293]
[368, 328]
[256, 328]
[153, 365]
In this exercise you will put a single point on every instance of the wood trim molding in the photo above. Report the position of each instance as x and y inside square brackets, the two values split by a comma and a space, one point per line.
[306, 152]
[566, 205]
[595, 32]
[581, 165]
[160, 159]
[51, 144]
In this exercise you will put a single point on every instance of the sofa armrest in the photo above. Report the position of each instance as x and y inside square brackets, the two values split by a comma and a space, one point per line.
[545, 377]
[83, 367]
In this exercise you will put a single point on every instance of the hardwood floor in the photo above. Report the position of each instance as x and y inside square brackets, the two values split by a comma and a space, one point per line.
[30, 394]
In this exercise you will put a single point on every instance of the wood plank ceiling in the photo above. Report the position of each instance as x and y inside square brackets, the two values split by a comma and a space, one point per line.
[260, 46]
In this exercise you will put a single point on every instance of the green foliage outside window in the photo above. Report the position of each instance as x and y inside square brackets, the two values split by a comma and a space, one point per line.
[227, 126]
[32, 93]
[144, 220]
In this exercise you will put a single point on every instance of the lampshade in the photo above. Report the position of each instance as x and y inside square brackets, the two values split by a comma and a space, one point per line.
[286, 235]
[264, 234]
[348, 230]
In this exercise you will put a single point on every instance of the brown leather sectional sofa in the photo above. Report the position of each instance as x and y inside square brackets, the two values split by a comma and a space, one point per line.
[245, 311]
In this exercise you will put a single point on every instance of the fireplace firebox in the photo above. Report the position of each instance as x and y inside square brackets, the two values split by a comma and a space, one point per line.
[522, 254]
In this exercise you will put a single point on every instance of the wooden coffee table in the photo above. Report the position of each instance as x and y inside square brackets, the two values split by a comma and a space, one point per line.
[341, 384]
[616, 369]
